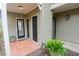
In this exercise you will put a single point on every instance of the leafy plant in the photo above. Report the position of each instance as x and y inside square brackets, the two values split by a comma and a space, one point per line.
[12, 38]
[1, 32]
[55, 47]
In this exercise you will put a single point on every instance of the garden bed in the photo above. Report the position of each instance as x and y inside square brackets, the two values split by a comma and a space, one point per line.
[42, 52]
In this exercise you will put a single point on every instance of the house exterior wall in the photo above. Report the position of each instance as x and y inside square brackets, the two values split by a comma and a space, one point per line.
[12, 22]
[29, 16]
[68, 30]
[45, 23]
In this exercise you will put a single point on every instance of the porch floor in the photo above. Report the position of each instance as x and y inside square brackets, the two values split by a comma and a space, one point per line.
[23, 47]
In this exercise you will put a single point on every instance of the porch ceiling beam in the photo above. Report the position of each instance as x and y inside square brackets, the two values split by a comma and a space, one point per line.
[5, 29]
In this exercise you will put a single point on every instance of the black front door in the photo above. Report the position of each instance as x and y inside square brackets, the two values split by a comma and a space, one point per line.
[34, 26]
[20, 28]
[28, 28]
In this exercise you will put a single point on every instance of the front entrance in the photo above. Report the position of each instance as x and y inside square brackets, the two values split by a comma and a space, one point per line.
[20, 28]
[34, 26]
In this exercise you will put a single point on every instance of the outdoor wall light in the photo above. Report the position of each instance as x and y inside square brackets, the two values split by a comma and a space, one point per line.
[67, 17]
[20, 7]
[39, 5]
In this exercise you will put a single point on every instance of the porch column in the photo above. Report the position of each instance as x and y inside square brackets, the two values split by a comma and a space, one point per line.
[5, 29]
[45, 23]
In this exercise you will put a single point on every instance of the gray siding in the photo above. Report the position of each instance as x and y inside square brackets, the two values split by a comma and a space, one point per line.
[68, 30]
[12, 22]
[45, 23]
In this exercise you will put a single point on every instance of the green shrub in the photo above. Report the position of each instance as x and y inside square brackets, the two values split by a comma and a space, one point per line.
[12, 38]
[55, 47]
[1, 33]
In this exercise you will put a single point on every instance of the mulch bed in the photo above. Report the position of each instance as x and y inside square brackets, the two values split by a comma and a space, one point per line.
[41, 52]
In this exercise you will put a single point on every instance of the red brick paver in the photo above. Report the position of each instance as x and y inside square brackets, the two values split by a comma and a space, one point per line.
[23, 47]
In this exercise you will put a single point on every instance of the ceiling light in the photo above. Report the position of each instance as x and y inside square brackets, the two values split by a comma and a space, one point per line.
[20, 7]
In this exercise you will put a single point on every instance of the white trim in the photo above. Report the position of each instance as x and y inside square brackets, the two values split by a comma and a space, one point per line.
[71, 46]
[39, 6]
[16, 27]
[25, 28]
[32, 27]
[5, 29]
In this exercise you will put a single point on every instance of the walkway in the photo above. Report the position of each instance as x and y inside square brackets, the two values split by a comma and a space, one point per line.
[23, 47]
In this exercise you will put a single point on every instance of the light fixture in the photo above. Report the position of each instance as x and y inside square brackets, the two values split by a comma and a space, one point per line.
[67, 16]
[20, 7]
[39, 5]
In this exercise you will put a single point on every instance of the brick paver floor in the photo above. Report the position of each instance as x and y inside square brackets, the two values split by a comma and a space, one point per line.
[23, 47]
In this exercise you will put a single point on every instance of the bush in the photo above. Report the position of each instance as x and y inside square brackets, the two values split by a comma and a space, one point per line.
[12, 38]
[1, 32]
[55, 47]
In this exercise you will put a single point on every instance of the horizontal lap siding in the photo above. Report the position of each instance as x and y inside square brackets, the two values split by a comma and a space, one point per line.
[68, 30]
[45, 23]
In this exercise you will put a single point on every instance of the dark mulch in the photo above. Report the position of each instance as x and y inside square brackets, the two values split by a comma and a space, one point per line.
[41, 52]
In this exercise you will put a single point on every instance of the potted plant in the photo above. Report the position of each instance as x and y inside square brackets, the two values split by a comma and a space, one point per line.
[12, 38]
[55, 47]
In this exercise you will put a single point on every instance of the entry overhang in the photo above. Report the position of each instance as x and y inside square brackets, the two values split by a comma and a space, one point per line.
[65, 7]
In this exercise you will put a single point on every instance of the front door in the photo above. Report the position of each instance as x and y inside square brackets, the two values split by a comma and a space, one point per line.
[34, 26]
[20, 28]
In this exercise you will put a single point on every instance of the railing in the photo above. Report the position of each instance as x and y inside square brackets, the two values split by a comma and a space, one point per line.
[55, 5]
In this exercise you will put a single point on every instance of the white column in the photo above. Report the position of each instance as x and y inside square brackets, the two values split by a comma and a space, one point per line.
[5, 29]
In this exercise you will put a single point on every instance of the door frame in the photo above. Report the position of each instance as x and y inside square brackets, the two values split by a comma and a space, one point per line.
[17, 29]
[28, 29]
[32, 26]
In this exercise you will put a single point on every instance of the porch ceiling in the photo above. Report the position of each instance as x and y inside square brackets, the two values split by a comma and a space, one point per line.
[27, 7]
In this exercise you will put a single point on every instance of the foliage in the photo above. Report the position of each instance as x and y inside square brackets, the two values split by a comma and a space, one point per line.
[55, 47]
[1, 32]
[12, 38]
